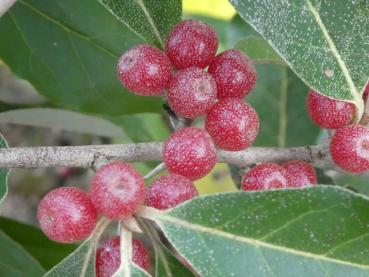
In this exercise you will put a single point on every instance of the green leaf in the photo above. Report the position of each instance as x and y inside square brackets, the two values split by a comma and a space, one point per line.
[169, 266]
[68, 51]
[150, 19]
[15, 261]
[356, 182]
[258, 49]
[3, 173]
[315, 231]
[324, 48]
[47, 252]
[62, 119]
[279, 98]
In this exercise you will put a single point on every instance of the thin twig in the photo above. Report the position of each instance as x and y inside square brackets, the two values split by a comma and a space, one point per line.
[156, 170]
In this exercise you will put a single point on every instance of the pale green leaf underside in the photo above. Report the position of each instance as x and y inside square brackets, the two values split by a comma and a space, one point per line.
[150, 19]
[258, 49]
[64, 120]
[3, 173]
[324, 41]
[316, 231]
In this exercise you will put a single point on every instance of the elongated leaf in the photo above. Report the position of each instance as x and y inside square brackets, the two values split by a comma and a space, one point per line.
[15, 261]
[279, 98]
[315, 231]
[68, 50]
[168, 266]
[47, 252]
[325, 49]
[64, 120]
[150, 19]
[3, 173]
[258, 49]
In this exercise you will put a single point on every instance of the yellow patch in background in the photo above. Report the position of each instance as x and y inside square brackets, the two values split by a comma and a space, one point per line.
[221, 9]
[218, 180]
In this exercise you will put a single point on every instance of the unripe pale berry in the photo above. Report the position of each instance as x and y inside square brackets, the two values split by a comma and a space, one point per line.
[190, 152]
[192, 43]
[117, 190]
[169, 191]
[234, 73]
[350, 148]
[232, 124]
[192, 92]
[108, 256]
[329, 113]
[266, 176]
[144, 70]
[67, 215]
[301, 173]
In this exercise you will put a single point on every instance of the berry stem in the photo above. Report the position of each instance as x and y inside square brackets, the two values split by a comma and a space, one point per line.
[156, 170]
[94, 238]
[88, 156]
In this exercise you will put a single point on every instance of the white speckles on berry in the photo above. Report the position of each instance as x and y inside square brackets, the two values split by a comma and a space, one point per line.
[192, 92]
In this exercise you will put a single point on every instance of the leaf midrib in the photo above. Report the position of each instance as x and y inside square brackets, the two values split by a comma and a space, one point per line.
[160, 218]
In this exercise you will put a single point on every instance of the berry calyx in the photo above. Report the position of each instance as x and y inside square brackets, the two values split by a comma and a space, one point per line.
[67, 215]
[117, 190]
[350, 148]
[232, 124]
[189, 152]
[108, 256]
[234, 73]
[191, 43]
[192, 92]
[169, 191]
[329, 113]
[301, 173]
[266, 176]
[144, 70]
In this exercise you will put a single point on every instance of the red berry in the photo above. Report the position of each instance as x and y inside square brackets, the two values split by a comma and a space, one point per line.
[108, 256]
[266, 176]
[192, 92]
[144, 70]
[169, 191]
[232, 124]
[329, 113]
[350, 148]
[190, 152]
[117, 190]
[234, 73]
[301, 173]
[192, 43]
[67, 215]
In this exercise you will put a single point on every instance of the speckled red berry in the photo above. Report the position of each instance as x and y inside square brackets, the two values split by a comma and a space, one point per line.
[67, 215]
[144, 70]
[192, 43]
[117, 190]
[169, 191]
[301, 173]
[232, 124]
[350, 148]
[329, 113]
[234, 73]
[108, 256]
[192, 92]
[266, 176]
[190, 152]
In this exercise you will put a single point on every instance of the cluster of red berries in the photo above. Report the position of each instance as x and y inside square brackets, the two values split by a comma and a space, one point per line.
[349, 145]
[117, 190]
